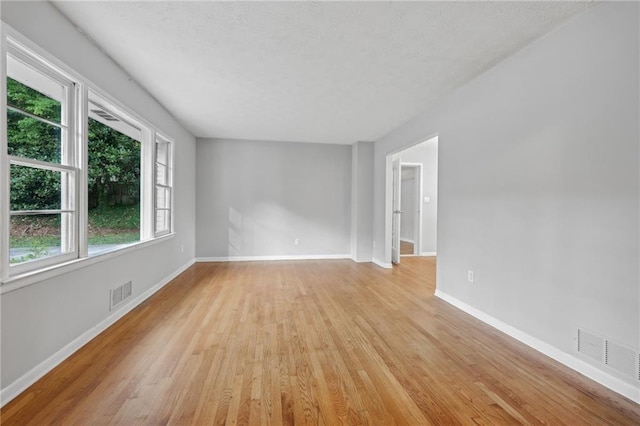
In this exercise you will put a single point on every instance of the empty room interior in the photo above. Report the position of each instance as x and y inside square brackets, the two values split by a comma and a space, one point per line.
[322, 213]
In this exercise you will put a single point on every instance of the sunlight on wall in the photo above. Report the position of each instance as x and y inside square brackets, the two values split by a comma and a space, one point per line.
[274, 230]
[235, 232]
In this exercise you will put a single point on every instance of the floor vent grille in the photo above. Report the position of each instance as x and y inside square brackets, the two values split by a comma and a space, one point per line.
[120, 294]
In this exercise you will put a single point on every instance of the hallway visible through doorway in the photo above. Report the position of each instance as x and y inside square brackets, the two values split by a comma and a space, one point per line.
[412, 200]
[406, 248]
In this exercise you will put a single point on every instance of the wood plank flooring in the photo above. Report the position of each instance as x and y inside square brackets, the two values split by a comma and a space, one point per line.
[313, 343]
[406, 248]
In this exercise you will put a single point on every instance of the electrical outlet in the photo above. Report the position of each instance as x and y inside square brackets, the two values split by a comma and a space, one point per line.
[296, 241]
[470, 276]
[182, 248]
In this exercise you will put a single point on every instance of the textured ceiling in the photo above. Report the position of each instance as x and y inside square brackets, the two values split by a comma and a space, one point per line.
[312, 71]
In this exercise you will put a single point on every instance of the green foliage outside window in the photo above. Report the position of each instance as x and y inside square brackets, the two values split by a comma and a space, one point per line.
[114, 167]
[33, 189]
[113, 173]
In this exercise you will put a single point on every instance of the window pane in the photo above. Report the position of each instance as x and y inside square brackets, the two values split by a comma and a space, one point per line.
[31, 138]
[163, 188]
[114, 188]
[162, 176]
[162, 152]
[27, 99]
[35, 237]
[35, 189]
[163, 198]
[162, 220]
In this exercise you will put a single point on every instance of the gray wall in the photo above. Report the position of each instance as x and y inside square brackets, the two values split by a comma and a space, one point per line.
[41, 319]
[538, 183]
[426, 153]
[254, 198]
[362, 201]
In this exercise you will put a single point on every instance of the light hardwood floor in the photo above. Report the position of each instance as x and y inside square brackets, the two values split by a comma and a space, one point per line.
[310, 342]
[406, 248]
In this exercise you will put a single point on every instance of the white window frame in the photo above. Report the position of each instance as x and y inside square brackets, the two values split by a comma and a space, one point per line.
[98, 100]
[168, 186]
[68, 165]
[12, 277]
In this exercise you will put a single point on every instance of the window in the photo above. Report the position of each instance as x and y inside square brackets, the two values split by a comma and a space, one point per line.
[163, 199]
[114, 178]
[80, 175]
[42, 169]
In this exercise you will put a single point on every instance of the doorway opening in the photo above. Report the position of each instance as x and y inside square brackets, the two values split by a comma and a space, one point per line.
[410, 208]
[412, 186]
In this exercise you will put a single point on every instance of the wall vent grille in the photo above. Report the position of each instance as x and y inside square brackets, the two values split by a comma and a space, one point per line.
[591, 345]
[126, 290]
[620, 358]
[105, 115]
[120, 294]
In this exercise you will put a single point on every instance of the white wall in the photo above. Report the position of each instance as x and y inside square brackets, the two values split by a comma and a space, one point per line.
[254, 198]
[538, 184]
[426, 153]
[407, 204]
[45, 317]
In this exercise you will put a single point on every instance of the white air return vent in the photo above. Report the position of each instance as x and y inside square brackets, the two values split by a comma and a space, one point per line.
[120, 294]
[591, 345]
[621, 358]
[116, 296]
[126, 290]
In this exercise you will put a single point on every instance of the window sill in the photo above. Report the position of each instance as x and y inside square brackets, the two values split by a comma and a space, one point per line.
[23, 280]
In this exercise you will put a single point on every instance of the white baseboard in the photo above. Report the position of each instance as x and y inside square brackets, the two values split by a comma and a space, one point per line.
[360, 260]
[33, 375]
[263, 258]
[428, 253]
[582, 367]
[382, 264]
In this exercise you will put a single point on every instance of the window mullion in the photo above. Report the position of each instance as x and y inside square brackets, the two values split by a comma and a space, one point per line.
[38, 164]
[147, 190]
[82, 162]
[35, 117]
[38, 212]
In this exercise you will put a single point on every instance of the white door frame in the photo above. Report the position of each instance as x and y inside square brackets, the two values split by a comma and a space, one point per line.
[397, 212]
[388, 203]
